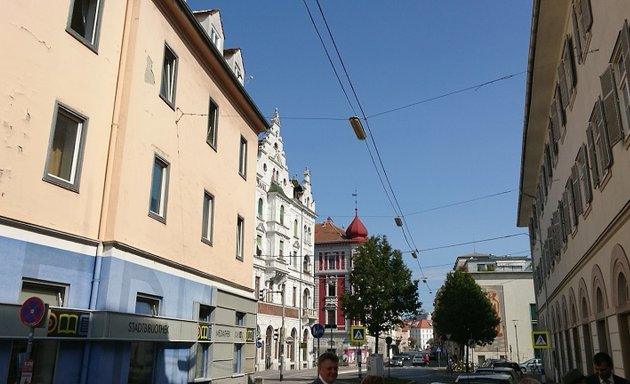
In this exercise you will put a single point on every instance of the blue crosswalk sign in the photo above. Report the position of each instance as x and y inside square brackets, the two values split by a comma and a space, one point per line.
[357, 334]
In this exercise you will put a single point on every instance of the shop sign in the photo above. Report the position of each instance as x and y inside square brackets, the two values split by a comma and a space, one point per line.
[204, 332]
[68, 323]
[251, 333]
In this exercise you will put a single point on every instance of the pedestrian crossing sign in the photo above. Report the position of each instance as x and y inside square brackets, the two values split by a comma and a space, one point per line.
[357, 334]
[540, 339]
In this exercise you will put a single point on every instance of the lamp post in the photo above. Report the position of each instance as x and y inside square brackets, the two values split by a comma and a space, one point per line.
[518, 358]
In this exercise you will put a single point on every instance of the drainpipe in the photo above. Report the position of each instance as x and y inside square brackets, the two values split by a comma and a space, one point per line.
[125, 42]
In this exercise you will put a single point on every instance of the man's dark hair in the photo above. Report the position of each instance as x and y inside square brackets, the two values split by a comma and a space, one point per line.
[327, 356]
[602, 357]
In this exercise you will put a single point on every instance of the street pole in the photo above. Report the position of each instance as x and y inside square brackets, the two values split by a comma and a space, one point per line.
[282, 335]
[518, 358]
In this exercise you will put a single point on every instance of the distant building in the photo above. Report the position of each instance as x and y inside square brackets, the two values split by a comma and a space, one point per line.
[334, 250]
[126, 195]
[421, 331]
[508, 282]
[283, 262]
[574, 187]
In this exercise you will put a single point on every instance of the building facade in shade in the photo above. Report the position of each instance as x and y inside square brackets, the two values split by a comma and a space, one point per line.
[574, 192]
[334, 250]
[283, 261]
[126, 188]
[508, 282]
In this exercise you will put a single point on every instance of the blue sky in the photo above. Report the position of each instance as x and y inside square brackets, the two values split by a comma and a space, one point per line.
[436, 153]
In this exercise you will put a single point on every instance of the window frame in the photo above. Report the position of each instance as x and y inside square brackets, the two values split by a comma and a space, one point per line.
[160, 216]
[153, 301]
[237, 366]
[91, 43]
[207, 221]
[74, 181]
[34, 286]
[213, 124]
[240, 237]
[242, 158]
[173, 87]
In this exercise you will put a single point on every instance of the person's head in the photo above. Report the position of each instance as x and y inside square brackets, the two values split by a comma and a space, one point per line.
[328, 366]
[373, 379]
[573, 377]
[528, 380]
[603, 365]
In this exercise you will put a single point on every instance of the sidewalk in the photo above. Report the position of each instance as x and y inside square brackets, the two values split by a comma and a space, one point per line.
[303, 375]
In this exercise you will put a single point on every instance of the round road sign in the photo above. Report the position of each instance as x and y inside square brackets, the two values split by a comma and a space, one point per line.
[32, 311]
[258, 343]
[317, 330]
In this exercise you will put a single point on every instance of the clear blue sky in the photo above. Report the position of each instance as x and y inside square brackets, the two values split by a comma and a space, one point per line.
[450, 150]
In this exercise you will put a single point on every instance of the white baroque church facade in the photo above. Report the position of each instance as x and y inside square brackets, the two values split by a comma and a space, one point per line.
[283, 260]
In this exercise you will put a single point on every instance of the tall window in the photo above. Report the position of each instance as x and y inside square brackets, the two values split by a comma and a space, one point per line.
[213, 121]
[331, 261]
[67, 140]
[169, 76]
[282, 214]
[294, 297]
[240, 235]
[330, 317]
[281, 249]
[260, 208]
[238, 356]
[147, 305]
[159, 188]
[295, 228]
[239, 319]
[208, 218]
[242, 158]
[85, 20]
[258, 245]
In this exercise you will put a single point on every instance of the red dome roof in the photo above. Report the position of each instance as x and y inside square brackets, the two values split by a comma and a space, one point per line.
[356, 230]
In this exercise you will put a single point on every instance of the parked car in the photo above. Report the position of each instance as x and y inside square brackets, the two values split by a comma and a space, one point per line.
[485, 378]
[531, 365]
[507, 363]
[516, 375]
[396, 361]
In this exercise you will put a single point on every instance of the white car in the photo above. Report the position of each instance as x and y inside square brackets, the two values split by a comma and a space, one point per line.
[531, 365]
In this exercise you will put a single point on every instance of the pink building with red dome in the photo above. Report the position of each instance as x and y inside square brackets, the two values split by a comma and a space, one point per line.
[334, 248]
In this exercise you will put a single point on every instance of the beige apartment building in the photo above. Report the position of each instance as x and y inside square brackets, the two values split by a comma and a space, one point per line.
[574, 188]
[127, 175]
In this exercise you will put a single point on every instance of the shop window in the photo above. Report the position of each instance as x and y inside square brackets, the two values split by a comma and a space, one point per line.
[141, 362]
[238, 358]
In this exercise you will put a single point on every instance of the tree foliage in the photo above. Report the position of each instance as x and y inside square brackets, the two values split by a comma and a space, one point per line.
[382, 291]
[464, 311]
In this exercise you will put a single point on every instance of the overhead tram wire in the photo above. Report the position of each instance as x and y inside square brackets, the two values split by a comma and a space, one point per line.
[343, 89]
[396, 204]
[328, 56]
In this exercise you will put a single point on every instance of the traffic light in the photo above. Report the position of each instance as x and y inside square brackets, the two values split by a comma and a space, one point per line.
[275, 335]
[261, 295]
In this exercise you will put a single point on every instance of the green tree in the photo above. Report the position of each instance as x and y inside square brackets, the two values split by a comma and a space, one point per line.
[463, 311]
[382, 291]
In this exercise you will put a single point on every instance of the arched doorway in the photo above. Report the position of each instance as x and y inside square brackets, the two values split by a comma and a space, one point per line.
[267, 346]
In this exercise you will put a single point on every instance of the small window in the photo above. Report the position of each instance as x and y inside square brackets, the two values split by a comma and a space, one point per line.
[169, 76]
[295, 228]
[258, 245]
[281, 249]
[205, 313]
[50, 293]
[65, 151]
[242, 158]
[238, 357]
[159, 189]
[213, 121]
[208, 218]
[238, 73]
[147, 305]
[481, 267]
[239, 319]
[85, 20]
[240, 235]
